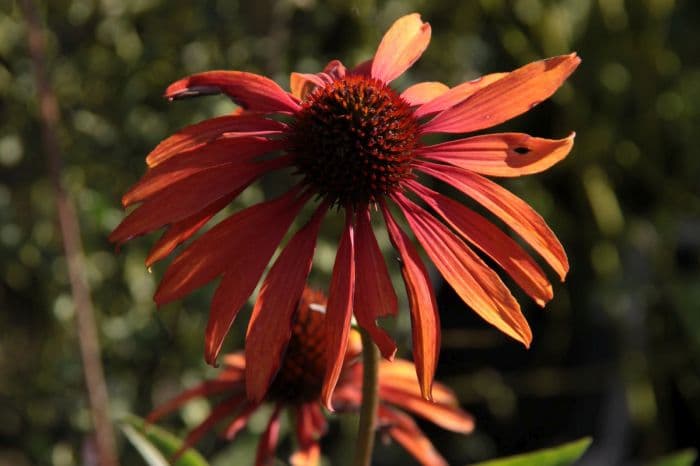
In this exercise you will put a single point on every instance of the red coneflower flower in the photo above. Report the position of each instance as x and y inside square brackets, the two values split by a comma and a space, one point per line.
[297, 387]
[355, 144]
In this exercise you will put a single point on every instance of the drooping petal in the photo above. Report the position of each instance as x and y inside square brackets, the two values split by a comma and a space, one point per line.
[511, 209]
[193, 136]
[421, 93]
[240, 420]
[220, 153]
[401, 375]
[405, 432]
[270, 324]
[268, 440]
[474, 282]
[188, 197]
[181, 231]
[492, 241]
[255, 237]
[506, 98]
[302, 84]
[401, 46]
[309, 450]
[455, 95]
[211, 387]
[251, 91]
[220, 412]
[339, 310]
[447, 417]
[374, 293]
[425, 320]
[504, 154]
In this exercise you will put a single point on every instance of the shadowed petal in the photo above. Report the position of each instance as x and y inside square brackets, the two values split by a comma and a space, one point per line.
[190, 196]
[447, 417]
[270, 324]
[268, 440]
[195, 135]
[207, 388]
[402, 45]
[218, 153]
[425, 320]
[455, 95]
[420, 93]
[511, 209]
[374, 293]
[339, 310]
[253, 92]
[405, 432]
[474, 282]
[240, 420]
[492, 241]
[504, 154]
[506, 98]
[309, 450]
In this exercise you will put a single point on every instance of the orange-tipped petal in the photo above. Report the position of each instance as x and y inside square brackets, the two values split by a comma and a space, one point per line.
[257, 236]
[425, 320]
[374, 293]
[421, 93]
[511, 209]
[474, 282]
[339, 310]
[400, 374]
[455, 95]
[405, 432]
[506, 98]
[492, 241]
[302, 84]
[253, 92]
[268, 440]
[234, 361]
[270, 324]
[402, 45]
[447, 417]
[193, 136]
[257, 230]
[220, 153]
[504, 154]
[307, 433]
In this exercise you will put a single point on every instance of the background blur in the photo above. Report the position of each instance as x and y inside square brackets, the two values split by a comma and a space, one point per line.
[616, 354]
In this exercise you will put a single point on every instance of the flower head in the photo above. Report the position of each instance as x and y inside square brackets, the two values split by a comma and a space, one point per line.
[297, 387]
[355, 144]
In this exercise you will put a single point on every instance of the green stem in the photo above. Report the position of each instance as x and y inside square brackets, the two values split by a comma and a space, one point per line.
[370, 401]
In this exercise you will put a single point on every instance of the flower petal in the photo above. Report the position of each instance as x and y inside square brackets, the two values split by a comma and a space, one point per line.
[474, 282]
[492, 241]
[447, 417]
[252, 237]
[270, 325]
[268, 439]
[420, 93]
[401, 46]
[219, 412]
[506, 98]
[401, 375]
[219, 153]
[339, 310]
[190, 196]
[253, 92]
[374, 293]
[195, 135]
[210, 387]
[504, 154]
[302, 84]
[307, 433]
[425, 320]
[511, 209]
[240, 420]
[455, 95]
[405, 432]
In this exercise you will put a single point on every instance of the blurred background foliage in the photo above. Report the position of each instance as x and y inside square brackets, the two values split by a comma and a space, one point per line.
[616, 354]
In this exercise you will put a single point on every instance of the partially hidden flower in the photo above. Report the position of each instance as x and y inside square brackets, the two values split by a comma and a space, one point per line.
[297, 388]
[356, 145]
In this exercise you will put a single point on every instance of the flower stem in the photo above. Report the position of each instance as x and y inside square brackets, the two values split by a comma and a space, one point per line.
[370, 401]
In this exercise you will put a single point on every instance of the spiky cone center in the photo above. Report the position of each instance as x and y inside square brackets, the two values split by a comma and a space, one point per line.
[300, 377]
[353, 141]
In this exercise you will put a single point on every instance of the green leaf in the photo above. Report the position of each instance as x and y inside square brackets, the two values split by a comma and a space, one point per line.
[563, 455]
[681, 458]
[157, 445]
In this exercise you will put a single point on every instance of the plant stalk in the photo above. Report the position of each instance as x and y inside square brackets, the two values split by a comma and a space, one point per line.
[370, 402]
